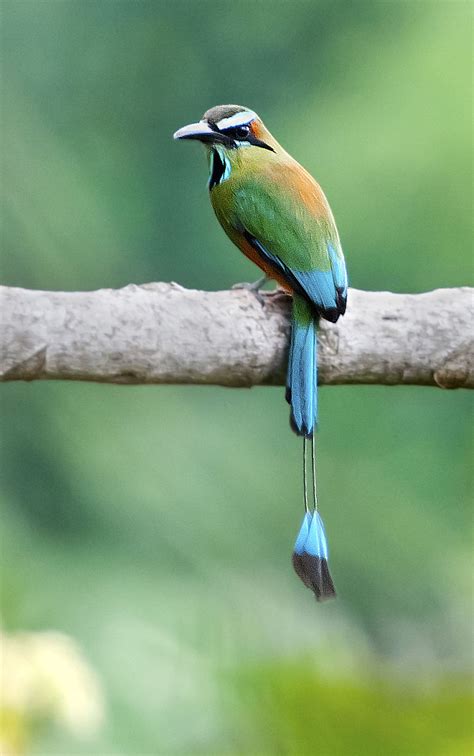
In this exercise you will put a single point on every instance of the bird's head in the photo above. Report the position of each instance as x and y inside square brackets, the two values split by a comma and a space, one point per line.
[232, 134]
[231, 127]
[228, 131]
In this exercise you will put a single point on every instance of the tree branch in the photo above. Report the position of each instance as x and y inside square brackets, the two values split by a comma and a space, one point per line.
[162, 333]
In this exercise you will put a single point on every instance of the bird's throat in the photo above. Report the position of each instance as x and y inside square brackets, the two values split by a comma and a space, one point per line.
[220, 167]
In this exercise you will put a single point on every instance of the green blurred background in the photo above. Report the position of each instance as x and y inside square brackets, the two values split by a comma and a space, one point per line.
[155, 524]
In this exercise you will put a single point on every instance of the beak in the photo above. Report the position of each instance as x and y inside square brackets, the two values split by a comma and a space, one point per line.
[201, 131]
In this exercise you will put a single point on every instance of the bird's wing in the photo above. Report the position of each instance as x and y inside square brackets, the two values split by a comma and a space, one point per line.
[286, 218]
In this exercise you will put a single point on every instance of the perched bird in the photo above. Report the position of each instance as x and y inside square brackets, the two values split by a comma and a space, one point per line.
[278, 216]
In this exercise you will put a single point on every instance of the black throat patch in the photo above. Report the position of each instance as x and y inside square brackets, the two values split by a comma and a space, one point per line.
[217, 169]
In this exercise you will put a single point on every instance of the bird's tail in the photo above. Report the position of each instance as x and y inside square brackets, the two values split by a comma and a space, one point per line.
[310, 554]
[302, 377]
[310, 557]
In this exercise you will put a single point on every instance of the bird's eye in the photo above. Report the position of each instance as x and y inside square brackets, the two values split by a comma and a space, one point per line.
[242, 131]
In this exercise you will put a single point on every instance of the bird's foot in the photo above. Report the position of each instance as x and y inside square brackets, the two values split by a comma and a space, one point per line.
[254, 288]
[279, 293]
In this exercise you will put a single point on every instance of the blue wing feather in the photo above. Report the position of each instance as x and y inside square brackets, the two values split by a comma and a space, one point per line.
[326, 290]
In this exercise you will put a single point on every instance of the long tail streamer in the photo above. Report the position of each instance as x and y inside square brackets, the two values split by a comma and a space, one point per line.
[310, 553]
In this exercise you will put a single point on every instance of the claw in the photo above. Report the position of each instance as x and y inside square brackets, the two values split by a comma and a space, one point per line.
[254, 288]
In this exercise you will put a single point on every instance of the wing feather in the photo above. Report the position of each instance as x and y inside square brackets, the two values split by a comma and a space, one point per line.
[291, 227]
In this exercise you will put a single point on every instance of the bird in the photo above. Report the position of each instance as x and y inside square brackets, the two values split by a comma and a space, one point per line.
[275, 212]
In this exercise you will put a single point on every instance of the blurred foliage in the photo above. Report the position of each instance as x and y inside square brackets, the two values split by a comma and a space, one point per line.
[44, 677]
[155, 524]
[280, 703]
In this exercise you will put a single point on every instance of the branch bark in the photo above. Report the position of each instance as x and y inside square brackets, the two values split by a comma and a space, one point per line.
[162, 333]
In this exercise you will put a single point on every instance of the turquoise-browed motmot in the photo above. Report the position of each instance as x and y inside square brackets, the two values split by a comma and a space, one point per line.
[278, 216]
